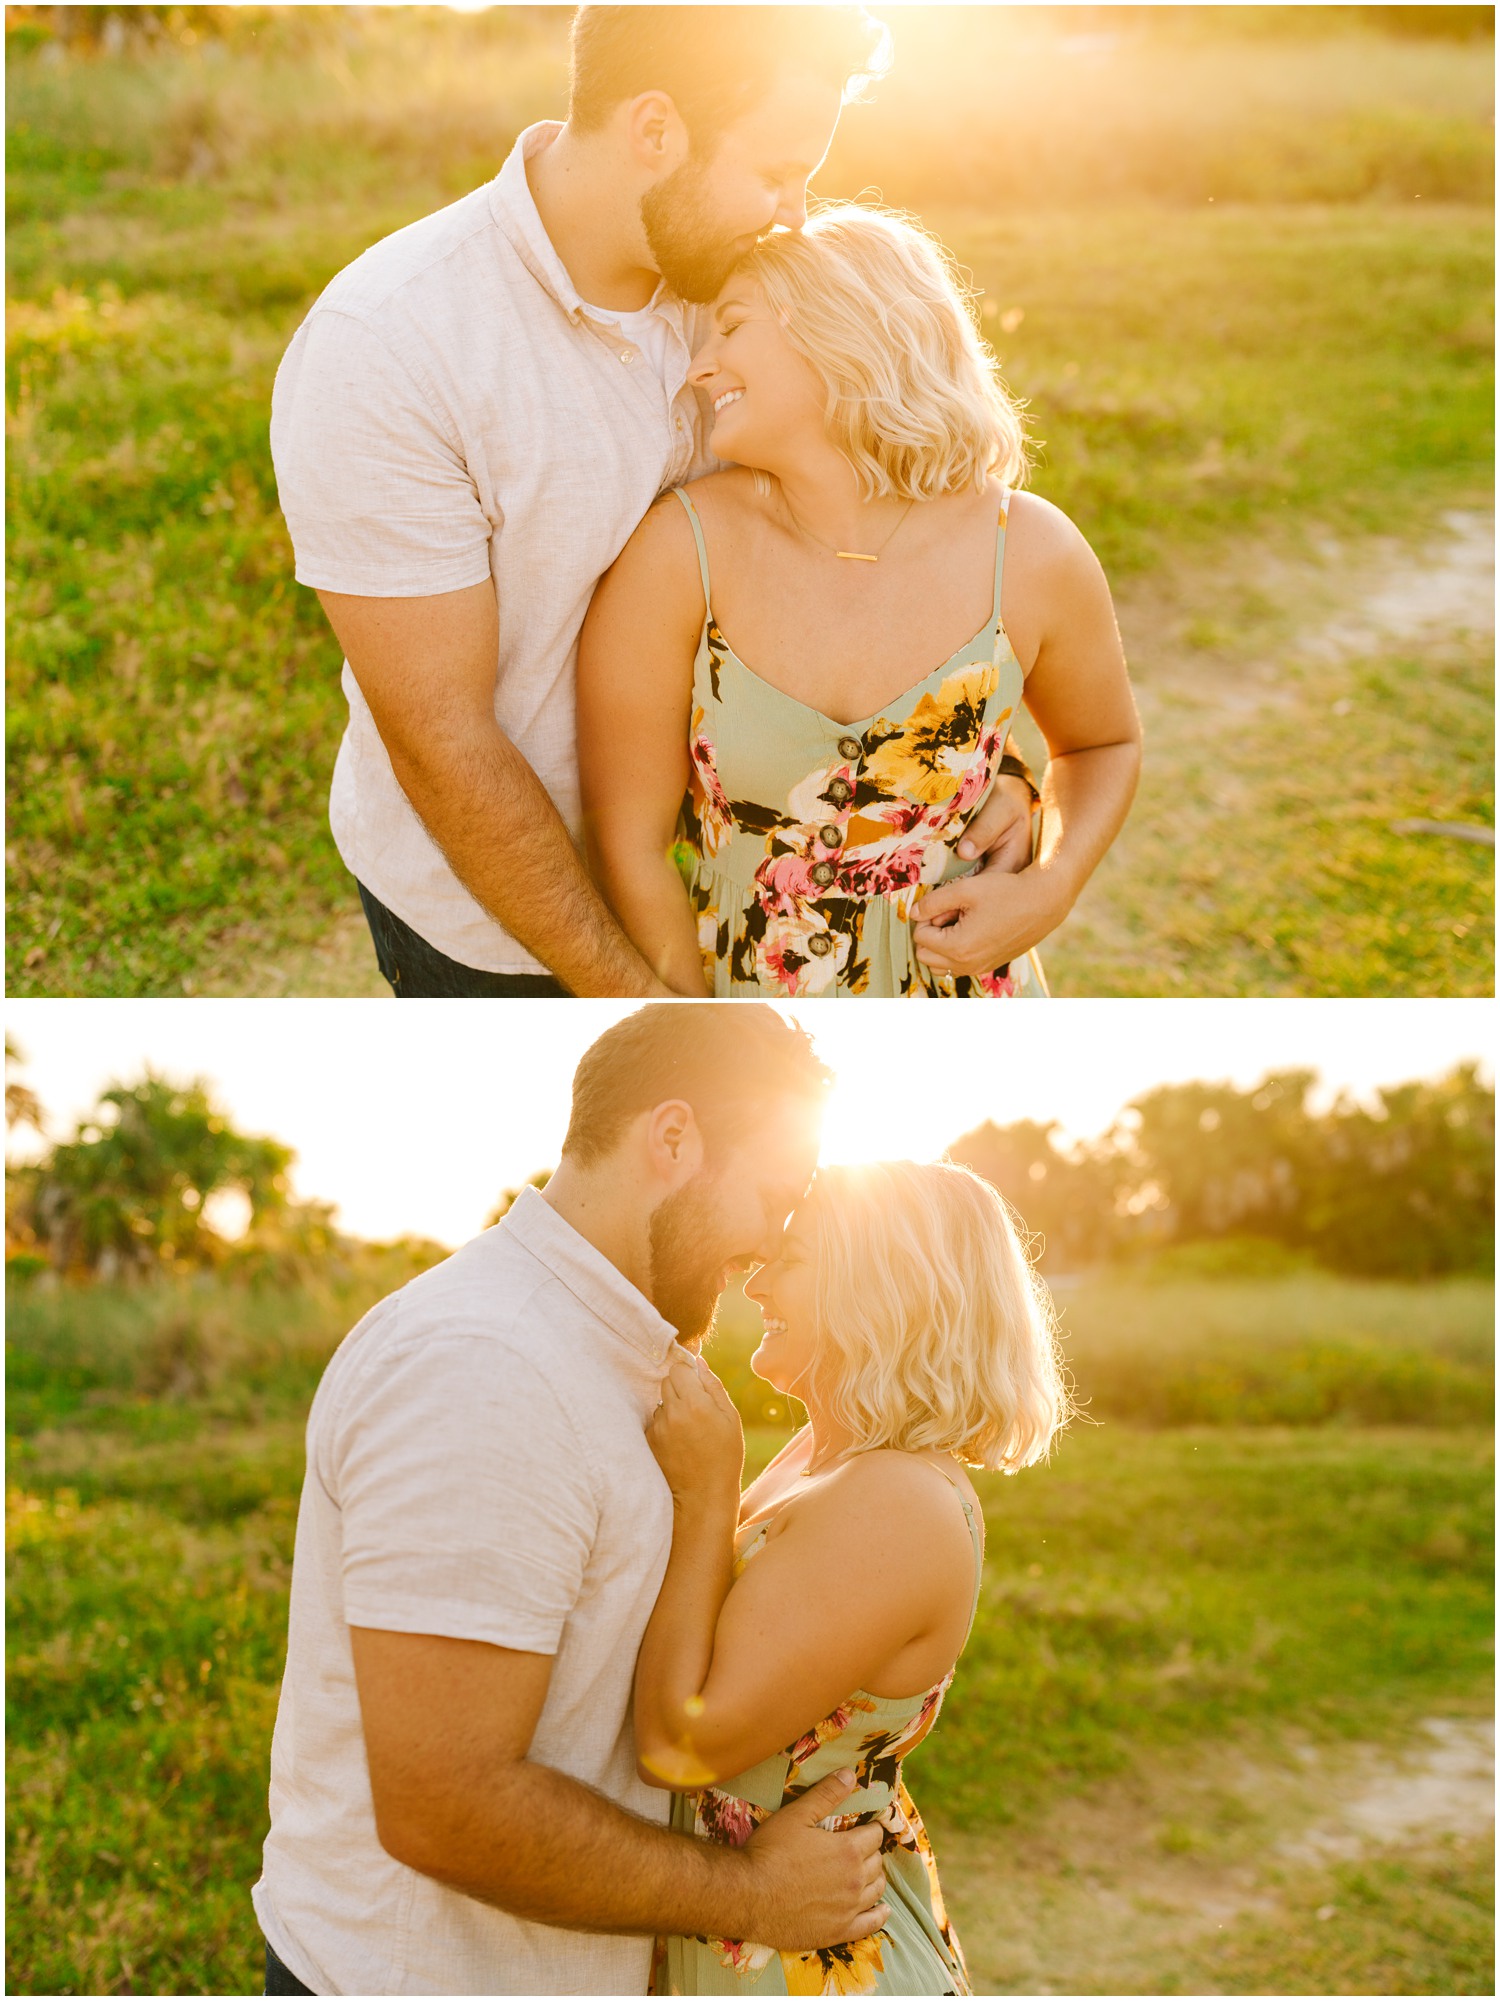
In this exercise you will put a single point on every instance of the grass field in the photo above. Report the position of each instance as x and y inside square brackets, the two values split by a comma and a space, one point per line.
[1152, 1596]
[1215, 386]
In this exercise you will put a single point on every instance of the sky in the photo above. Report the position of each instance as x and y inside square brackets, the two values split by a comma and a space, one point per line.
[412, 1117]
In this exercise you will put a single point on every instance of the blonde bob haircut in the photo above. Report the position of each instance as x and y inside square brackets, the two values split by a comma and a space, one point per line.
[877, 306]
[934, 1331]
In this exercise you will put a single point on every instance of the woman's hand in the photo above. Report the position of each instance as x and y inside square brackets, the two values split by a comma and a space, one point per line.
[696, 1435]
[981, 921]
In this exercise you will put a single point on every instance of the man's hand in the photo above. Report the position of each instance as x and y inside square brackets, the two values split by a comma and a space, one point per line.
[427, 667]
[1001, 828]
[817, 1888]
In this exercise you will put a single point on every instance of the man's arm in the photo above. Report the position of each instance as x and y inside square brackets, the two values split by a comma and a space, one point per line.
[448, 1724]
[426, 666]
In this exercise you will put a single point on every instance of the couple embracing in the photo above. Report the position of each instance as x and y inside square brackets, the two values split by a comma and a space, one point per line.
[566, 1713]
[676, 545]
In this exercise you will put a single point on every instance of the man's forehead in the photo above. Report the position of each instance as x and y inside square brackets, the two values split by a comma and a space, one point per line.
[792, 125]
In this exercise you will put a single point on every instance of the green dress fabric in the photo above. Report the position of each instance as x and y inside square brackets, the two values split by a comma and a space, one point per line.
[806, 842]
[917, 1950]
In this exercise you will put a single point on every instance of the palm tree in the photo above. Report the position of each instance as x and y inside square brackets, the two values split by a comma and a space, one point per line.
[22, 1106]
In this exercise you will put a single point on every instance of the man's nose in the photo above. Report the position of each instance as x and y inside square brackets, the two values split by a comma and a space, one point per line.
[792, 210]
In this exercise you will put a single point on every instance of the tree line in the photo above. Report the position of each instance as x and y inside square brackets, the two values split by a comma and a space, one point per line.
[157, 1179]
[1400, 1187]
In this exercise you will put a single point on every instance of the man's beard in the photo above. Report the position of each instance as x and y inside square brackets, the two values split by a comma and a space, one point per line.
[692, 255]
[685, 1286]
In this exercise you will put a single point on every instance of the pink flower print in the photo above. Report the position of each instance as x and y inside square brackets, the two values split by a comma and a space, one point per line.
[784, 883]
[831, 1726]
[886, 871]
[737, 1955]
[710, 802]
[999, 986]
[976, 778]
[724, 1818]
[790, 957]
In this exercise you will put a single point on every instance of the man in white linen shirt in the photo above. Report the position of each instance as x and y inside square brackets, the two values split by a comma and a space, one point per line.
[468, 427]
[455, 1804]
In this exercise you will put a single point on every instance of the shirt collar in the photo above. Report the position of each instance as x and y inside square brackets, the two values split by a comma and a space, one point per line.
[514, 209]
[594, 1282]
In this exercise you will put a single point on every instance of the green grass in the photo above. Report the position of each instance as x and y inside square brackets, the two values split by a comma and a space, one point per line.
[1208, 381]
[1310, 1349]
[1149, 1594]
[1418, 1922]
[1146, 1593]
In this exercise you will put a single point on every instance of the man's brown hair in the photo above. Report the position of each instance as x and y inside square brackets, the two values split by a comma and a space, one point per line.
[715, 63]
[730, 1060]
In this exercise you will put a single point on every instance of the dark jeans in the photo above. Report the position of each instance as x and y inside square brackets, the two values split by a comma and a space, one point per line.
[280, 1979]
[417, 970]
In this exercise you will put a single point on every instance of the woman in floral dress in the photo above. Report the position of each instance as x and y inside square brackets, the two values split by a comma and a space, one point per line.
[813, 1625]
[783, 796]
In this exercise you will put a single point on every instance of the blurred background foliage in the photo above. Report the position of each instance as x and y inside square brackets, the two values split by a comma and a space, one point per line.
[1120, 101]
[1215, 1255]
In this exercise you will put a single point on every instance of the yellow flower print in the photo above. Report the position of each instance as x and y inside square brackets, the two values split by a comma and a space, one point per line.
[927, 757]
[835, 1969]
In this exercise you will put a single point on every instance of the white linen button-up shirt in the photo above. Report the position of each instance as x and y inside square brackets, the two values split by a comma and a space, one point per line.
[448, 411]
[477, 1466]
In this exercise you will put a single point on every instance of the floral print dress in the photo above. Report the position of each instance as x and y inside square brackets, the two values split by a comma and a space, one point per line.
[917, 1950]
[806, 842]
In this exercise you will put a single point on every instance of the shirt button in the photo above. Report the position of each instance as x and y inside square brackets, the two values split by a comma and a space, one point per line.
[850, 746]
[831, 836]
[822, 875]
[627, 355]
[679, 423]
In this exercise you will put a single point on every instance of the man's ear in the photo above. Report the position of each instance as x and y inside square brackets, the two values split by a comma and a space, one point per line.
[673, 1142]
[654, 132]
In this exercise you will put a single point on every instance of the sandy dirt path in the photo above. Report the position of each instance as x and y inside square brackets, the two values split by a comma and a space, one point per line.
[1129, 1889]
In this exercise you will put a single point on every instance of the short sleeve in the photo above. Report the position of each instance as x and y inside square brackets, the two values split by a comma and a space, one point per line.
[466, 1504]
[372, 477]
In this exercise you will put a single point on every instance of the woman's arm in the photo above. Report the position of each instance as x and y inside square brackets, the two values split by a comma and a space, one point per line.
[635, 688]
[734, 1669]
[1078, 693]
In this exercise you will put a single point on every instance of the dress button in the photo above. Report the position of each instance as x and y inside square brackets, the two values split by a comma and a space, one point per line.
[820, 944]
[822, 875]
[850, 746]
[831, 836]
[840, 791]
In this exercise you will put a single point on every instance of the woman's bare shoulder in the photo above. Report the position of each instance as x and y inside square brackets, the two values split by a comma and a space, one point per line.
[657, 570]
[912, 1497]
[1039, 534]
[728, 494]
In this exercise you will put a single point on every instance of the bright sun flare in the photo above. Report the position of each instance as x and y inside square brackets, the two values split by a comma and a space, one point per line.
[862, 1124]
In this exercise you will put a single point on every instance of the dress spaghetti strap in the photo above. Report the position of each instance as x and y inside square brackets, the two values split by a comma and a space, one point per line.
[995, 618]
[978, 1540]
[697, 527]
